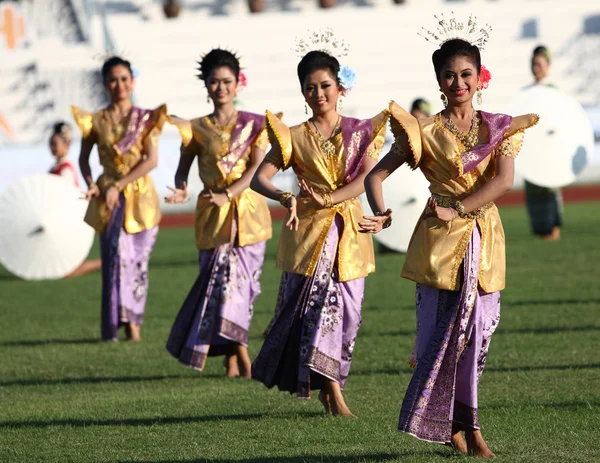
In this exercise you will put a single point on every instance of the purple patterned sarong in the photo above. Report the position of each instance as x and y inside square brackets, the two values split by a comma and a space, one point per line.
[454, 329]
[313, 333]
[125, 257]
[218, 310]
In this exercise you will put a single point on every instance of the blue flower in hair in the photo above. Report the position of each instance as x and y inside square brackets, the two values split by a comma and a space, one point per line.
[347, 77]
[135, 72]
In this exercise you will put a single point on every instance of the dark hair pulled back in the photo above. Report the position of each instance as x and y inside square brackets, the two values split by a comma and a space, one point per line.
[63, 130]
[217, 58]
[317, 61]
[451, 49]
[112, 62]
[544, 51]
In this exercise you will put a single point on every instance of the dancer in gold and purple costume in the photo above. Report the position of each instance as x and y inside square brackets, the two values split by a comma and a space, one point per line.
[323, 256]
[457, 252]
[233, 223]
[124, 206]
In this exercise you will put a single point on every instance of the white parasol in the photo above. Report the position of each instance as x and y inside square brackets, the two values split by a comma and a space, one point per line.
[42, 232]
[558, 148]
[406, 193]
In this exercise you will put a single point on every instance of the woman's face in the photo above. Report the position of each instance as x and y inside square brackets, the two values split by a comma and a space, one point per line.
[58, 146]
[459, 80]
[540, 67]
[321, 91]
[119, 83]
[222, 85]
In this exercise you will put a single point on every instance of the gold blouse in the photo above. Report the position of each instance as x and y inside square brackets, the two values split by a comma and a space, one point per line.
[213, 146]
[299, 251]
[142, 210]
[437, 248]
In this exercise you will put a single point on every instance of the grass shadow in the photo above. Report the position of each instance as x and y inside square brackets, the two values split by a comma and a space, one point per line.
[101, 380]
[136, 422]
[46, 342]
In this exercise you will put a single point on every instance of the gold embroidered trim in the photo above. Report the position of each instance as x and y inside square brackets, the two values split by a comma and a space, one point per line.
[506, 149]
[446, 201]
[535, 121]
[413, 161]
[373, 153]
[461, 147]
[483, 225]
[320, 243]
[459, 253]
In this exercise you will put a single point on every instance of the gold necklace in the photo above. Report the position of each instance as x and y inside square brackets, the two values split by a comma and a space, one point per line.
[220, 129]
[115, 123]
[326, 144]
[470, 138]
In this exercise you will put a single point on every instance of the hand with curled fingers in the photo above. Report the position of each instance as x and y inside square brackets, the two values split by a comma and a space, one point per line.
[311, 193]
[376, 223]
[112, 197]
[93, 192]
[218, 199]
[291, 220]
[445, 214]
[180, 195]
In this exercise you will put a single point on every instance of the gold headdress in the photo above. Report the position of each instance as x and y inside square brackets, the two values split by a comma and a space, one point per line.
[449, 29]
[324, 41]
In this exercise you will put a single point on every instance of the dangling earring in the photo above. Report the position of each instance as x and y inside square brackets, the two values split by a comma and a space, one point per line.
[305, 108]
[340, 104]
[479, 99]
[444, 98]
[208, 98]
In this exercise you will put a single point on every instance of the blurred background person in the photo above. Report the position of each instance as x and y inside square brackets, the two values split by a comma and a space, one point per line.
[544, 205]
[420, 109]
[60, 142]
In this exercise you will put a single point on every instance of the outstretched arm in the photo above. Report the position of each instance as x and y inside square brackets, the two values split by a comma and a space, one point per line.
[261, 183]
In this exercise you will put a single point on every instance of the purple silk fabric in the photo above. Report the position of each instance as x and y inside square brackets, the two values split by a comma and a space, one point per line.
[219, 307]
[315, 327]
[125, 257]
[497, 125]
[454, 330]
[356, 136]
[139, 121]
[237, 146]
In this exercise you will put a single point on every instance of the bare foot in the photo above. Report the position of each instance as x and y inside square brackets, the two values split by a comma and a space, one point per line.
[476, 445]
[231, 365]
[133, 332]
[244, 363]
[553, 236]
[337, 402]
[324, 399]
[457, 442]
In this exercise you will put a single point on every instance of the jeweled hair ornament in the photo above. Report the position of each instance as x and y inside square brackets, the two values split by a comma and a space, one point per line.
[327, 42]
[324, 41]
[451, 28]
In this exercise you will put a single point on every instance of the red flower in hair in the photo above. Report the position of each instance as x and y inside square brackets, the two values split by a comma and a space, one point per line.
[484, 77]
[242, 79]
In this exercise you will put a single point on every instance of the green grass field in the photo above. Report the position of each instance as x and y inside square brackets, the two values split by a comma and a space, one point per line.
[65, 397]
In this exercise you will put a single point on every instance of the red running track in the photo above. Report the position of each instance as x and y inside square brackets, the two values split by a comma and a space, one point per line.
[572, 194]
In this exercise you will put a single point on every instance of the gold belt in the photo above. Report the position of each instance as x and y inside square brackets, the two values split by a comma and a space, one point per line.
[447, 201]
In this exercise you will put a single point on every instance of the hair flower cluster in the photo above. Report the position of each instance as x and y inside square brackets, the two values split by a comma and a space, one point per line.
[242, 80]
[484, 77]
[347, 78]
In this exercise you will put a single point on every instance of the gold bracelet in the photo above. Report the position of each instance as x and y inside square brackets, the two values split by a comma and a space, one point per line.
[459, 208]
[118, 186]
[327, 200]
[229, 195]
[92, 185]
[283, 199]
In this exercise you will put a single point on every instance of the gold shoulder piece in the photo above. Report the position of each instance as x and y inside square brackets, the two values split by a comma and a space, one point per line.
[83, 119]
[403, 122]
[280, 134]
[159, 116]
[522, 123]
[379, 124]
[185, 129]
